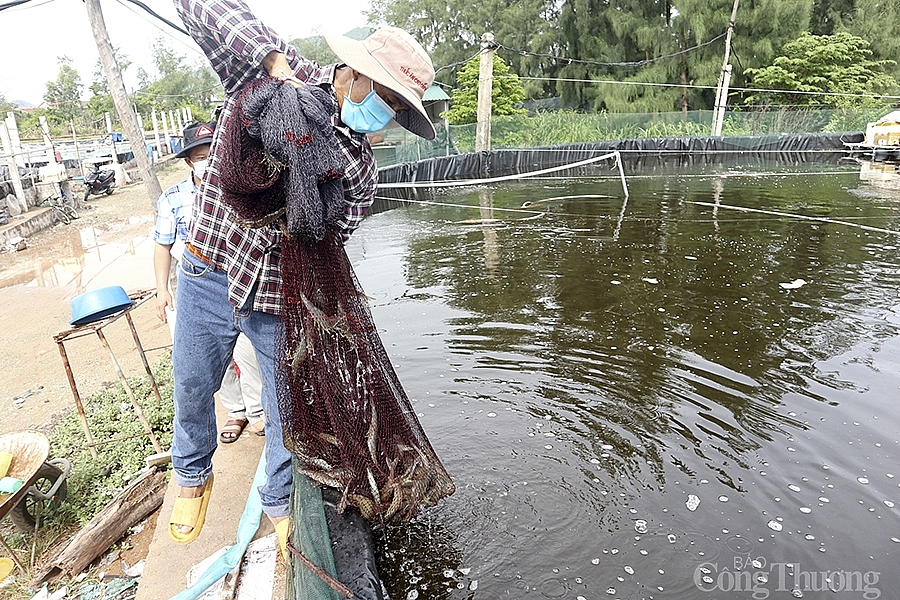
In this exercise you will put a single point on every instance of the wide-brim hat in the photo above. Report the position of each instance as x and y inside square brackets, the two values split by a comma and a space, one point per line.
[196, 134]
[393, 58]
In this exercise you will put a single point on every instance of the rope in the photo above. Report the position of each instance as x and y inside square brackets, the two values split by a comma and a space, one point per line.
[467, 182]
[796, 216]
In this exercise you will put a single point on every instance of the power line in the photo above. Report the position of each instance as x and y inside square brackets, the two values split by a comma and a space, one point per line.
[163, 19]
[699, 87]
[163, 31]
[456, 64]
[27, 7]
[12, 4]
[637, 63]
[191, 95]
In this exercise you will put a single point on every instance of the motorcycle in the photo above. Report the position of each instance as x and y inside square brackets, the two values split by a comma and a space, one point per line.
[99, 181]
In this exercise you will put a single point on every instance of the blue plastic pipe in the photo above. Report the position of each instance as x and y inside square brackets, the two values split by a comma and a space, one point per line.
[247, 527]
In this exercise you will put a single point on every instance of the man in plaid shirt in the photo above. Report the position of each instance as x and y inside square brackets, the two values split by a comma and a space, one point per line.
[230, 277]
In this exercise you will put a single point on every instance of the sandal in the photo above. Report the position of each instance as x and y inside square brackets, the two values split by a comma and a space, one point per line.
[189, 512]
[281, 532]
[232, 430]
[258, 428]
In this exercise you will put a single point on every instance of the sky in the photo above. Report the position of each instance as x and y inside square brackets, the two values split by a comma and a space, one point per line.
[36, 33]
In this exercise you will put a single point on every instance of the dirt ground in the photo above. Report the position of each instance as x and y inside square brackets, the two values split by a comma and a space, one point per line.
[110, 244]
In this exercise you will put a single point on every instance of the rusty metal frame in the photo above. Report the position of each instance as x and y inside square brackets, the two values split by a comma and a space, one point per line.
[97, 328]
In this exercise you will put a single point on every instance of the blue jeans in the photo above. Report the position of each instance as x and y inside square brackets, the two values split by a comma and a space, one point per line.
[205, 333]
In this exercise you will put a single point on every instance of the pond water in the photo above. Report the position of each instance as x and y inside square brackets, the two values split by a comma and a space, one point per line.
[658, 397]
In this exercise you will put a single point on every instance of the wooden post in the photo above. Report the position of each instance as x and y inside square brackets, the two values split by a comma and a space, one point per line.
[165, 122]
[485, 82]
[14, 133]
[77, 151]
[722, 87]
[13, 169]
[120, 99]
[112, 139]
[159, 152]
[48, 143]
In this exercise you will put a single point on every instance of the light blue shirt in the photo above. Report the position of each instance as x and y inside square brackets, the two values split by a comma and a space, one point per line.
[174, 216]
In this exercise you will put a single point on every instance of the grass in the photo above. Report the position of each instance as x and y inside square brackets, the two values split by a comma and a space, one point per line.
[92, 483]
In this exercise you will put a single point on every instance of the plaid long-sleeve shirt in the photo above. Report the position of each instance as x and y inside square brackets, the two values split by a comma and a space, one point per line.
[236, 42]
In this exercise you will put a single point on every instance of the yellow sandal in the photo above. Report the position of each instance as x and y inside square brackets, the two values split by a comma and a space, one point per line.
[282, 529]
[189, 512]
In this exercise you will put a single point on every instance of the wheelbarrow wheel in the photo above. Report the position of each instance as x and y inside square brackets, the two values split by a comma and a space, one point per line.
[27, 512]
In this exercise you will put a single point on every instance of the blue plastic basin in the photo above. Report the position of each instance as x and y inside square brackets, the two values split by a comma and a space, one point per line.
[97, 304]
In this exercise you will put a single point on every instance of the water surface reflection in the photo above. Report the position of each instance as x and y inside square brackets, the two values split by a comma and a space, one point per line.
[659, 397]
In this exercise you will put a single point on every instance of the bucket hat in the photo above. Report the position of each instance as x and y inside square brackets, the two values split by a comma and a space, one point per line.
[196, 134]
[393, 58]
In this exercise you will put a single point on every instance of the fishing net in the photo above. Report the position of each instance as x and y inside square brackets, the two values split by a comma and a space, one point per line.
[346, 417]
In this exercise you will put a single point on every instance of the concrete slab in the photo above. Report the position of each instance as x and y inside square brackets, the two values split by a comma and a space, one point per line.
[34, 221]
[167, 564]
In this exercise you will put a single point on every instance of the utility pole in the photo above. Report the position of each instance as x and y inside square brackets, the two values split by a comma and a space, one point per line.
[724, 78]
[120, 99]
[485, 83]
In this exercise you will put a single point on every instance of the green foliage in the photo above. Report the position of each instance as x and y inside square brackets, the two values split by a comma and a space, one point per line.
[315, 48]
[828, 16]
[64, 93]
[662, 42]
[878, 22]
[451, 32]
[839, 63]
[179, 84]
[566, 127]
[101, 101]
[506, 93]
[94, 482]
[6, 105]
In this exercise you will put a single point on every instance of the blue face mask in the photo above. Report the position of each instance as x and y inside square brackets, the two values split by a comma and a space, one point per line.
[368, 116]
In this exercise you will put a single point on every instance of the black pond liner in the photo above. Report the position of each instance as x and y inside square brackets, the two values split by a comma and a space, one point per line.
[637, 155]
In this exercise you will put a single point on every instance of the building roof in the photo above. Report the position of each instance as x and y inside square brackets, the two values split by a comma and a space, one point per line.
[435, 93]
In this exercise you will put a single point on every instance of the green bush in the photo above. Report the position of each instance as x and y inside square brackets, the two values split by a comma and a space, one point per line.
[93, 482]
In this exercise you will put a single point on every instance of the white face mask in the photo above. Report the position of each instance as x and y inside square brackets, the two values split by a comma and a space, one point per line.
[200, 168]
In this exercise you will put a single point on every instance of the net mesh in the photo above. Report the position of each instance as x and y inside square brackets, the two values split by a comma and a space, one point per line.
[346, 418]
[310, 535]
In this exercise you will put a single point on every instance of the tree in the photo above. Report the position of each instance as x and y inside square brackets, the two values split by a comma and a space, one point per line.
[506, 93]
[662, 42]
[178, 85]
[839, 63]
[64, 94]
[6, 105]
[315, 48]
[451, 32]
[828, 16]
[878, 22]
[101, 101]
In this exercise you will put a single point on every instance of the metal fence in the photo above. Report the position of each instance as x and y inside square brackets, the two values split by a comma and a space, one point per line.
[562, 127]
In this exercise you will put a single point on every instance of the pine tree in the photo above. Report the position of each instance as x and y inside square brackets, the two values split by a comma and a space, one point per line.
[829, 16]
[506, 93]
[878, 22]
